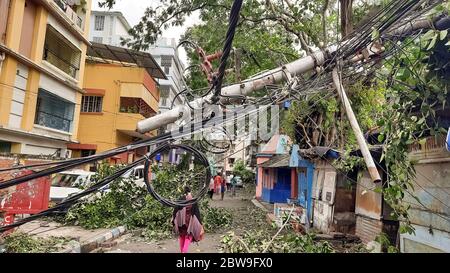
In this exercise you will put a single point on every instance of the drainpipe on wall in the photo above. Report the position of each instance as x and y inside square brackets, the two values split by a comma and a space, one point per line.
[2, 58]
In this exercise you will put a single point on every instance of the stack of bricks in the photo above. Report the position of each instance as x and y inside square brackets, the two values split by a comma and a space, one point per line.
[8, 161]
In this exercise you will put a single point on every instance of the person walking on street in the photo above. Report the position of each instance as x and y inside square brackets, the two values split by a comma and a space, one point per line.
[211, 188]
[217, 183]
[223, 188]
[233, 185]
[187, 223]
[228, 183]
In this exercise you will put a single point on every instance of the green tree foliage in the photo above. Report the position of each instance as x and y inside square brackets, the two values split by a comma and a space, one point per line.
[241, 170]
[256, 241]
[257, 56]
[131, 205]
[416, 99]
[308, 21]
[19, 242]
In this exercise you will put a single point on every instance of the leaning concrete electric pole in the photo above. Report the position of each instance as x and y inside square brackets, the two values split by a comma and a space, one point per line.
[285, 73]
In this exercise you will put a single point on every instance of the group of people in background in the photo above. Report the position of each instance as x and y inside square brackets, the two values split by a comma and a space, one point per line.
[220, 184]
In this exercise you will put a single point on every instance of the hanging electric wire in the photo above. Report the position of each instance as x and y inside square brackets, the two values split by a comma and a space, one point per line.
[385, 19]
[233, 20]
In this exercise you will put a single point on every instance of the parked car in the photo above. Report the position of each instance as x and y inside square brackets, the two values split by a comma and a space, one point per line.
[137, 174]
[67, 183]
[239, 182]
[71, 182]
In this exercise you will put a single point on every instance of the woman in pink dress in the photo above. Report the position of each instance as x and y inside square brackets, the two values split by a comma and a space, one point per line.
[187, 223]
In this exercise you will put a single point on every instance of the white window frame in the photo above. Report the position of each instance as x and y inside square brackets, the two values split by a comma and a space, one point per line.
[99, 23]
[91, 104]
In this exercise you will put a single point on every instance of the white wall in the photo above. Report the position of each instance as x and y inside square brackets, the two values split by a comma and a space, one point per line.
[424, 241]
[120, 29]
[35, 145]
[57, 88]
[20, 85]
[54, 23]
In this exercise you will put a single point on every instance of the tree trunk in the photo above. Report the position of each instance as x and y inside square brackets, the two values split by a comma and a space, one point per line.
[324, 23]
[333, 133]
[346, 11]
[317, 130]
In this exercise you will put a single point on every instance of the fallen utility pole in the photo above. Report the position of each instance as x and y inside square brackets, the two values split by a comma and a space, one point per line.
[245, 88]
[286, 72]
[356, 129]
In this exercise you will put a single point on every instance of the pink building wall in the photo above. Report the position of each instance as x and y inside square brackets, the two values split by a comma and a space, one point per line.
[259, 186]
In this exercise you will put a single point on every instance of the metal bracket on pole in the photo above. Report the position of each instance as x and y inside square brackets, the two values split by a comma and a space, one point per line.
[356, 129]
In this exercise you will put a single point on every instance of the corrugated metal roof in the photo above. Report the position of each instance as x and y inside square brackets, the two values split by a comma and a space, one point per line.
[278, 144]
[319, 151]
[125, 56]
[277, 161]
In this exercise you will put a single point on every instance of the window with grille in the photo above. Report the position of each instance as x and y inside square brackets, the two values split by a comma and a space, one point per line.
[60, 52]
[91, 104]
[53, 111]
[5, 147]
[99, 22]
[98, 40]
[163, 101]
[166, 60]
[86, 153]
[164, 91]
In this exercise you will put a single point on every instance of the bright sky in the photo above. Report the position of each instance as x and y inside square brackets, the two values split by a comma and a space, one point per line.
[133, 10]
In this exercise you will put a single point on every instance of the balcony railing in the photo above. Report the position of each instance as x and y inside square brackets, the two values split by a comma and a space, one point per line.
[73, 16]
[60, 52]
[64, 65]
[135, 106]
[52, 121]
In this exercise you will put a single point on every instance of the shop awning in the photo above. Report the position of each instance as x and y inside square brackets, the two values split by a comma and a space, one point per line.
[278, 161]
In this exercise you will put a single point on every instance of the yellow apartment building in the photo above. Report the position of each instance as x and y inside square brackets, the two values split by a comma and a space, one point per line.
[43, 45]
[119, 90]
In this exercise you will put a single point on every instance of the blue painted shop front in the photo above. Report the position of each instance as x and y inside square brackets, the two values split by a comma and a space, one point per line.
[281, 190]
[305, 172]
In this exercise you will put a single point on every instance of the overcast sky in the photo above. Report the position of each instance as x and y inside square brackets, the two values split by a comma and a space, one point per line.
[134, 9]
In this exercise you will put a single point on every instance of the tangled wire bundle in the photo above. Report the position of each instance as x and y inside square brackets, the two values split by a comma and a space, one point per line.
[178, 203]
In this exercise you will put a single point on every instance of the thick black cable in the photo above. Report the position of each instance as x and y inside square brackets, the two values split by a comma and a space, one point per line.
[70, 201]
[178, 203]
[75, 162]
[74, 198]
[71, 163]
[233, 20]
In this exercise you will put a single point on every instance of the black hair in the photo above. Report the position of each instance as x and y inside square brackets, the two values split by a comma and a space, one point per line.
[187, 189]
